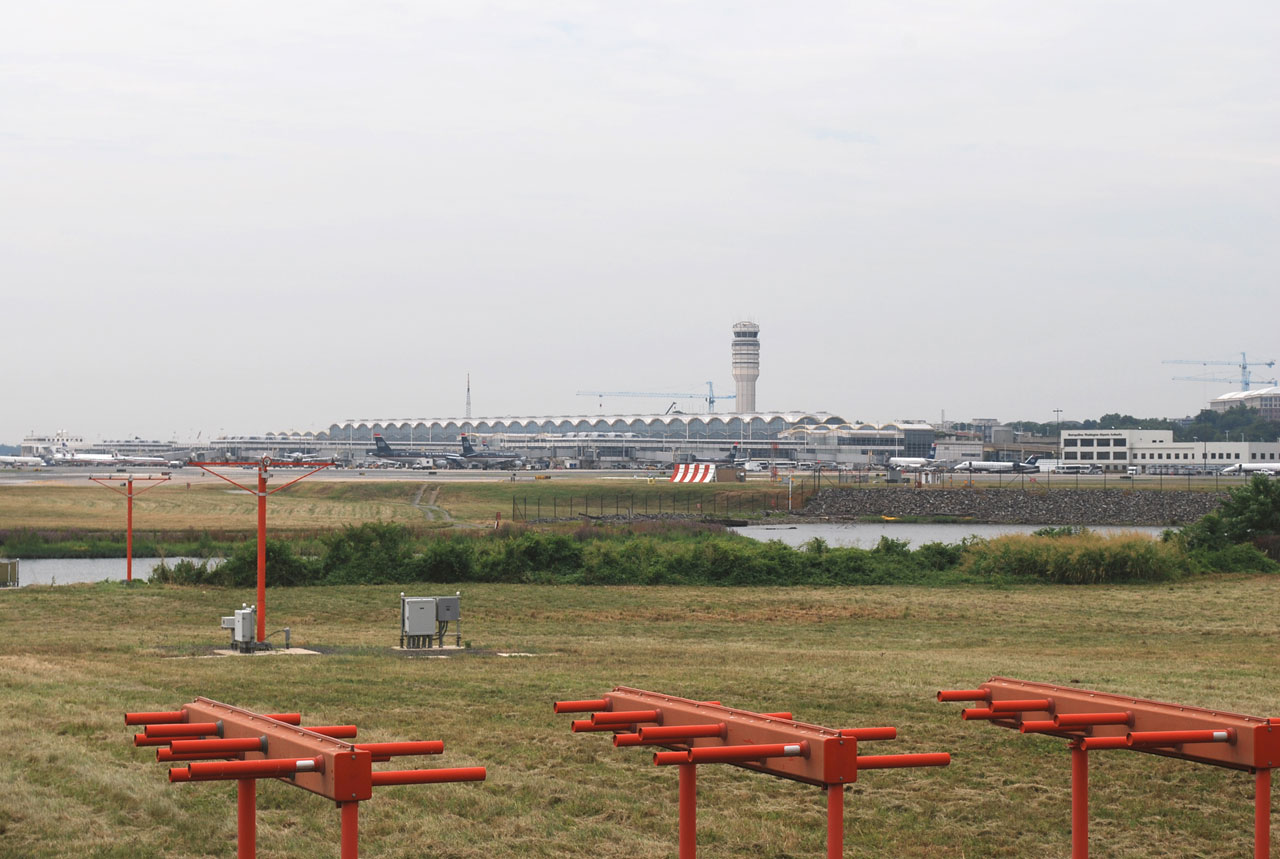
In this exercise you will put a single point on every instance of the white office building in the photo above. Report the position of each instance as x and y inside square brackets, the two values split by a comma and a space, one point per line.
[1155, 451]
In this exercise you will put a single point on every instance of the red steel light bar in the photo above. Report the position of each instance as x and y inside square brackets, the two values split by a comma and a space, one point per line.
[271, 768]
[624, 717]
[583, 726]
[888, 762]
[771, 743]
[183, 730]
[436, 776]
[733, 754]
[237, 744]
[337, 732]
[678, 732]
[315, 759]
[581, 706]
[390, 750]
[1112, 721]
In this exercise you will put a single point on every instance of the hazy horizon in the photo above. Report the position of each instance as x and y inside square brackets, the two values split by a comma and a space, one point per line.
[246, 218]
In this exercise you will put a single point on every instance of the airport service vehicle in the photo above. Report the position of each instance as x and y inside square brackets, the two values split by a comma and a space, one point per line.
[1074, 468]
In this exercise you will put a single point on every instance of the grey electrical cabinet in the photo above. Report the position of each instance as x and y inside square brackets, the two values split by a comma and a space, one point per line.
[418, 616]
[448, 608]
[424, 621]
[243, 625]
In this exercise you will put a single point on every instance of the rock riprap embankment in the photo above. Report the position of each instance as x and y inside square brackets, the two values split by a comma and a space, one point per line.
[1019, 507]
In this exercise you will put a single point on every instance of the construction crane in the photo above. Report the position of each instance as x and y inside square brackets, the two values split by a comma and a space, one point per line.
[1246, 377]
[709, 397]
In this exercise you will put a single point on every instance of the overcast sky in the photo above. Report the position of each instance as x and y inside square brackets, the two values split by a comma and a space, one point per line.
[245, 217]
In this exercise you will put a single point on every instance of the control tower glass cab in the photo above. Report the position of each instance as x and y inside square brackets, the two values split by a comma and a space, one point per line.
[746, 365]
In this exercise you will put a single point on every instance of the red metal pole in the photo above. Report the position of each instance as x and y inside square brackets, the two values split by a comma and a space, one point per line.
[128, 539]
[262, 552]
[688, 811]
[350, 830]
[1079, 801]
[1262, 815]
[835, 821]
[246, 819]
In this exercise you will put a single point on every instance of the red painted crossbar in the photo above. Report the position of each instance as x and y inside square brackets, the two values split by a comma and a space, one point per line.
[183, 729]
[625, 717]
[389, 750]
[581, 706]
[436, 776]
[236, 744]
[893, 762]
[269, 768]
[734, 754]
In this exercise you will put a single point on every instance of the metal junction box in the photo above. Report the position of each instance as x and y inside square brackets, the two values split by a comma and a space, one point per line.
[448, 608]
[243, 626]
[424, 621]
[418, 616]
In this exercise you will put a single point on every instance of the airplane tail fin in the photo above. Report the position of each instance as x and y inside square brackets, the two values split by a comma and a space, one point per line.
[380, 444]
[467, 449]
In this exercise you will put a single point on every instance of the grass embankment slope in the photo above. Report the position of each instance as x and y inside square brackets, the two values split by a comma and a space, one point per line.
[319, 505]
[77, 657]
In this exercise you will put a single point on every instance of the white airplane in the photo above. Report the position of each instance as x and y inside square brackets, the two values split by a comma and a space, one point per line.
[21, 460]
[66, 456]
[1271, 469]
[1027, 467]
[917, 462]
[298, 456]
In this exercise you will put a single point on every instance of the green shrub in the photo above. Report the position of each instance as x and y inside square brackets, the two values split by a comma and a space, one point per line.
[1081, 559]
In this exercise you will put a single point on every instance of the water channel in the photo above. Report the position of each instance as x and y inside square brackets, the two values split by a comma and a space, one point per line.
[66, 571]
[867, 535]
[70, 571]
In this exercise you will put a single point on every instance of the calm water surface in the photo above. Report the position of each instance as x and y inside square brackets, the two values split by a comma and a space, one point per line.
[67, 571]
[866, 536]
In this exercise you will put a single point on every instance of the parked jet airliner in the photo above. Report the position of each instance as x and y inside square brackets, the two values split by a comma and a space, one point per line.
[1028, 467]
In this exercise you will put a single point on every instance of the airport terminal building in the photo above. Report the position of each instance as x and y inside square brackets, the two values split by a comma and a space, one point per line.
[604, 440]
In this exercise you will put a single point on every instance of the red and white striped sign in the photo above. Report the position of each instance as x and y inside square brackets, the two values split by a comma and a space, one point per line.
[697, 472]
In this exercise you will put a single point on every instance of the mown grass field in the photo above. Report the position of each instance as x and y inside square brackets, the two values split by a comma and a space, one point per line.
[320, 505]
[77, 657]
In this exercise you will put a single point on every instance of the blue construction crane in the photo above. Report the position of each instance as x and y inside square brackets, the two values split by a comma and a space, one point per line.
[709, 397]
[1246, 377]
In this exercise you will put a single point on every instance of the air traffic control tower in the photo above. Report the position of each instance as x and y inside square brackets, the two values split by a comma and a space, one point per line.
[746, 365]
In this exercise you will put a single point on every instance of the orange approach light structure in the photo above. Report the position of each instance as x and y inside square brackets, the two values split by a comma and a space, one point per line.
[261, 492]
[130, 494]
[706, 732]
[216, 742]
[1092, 721]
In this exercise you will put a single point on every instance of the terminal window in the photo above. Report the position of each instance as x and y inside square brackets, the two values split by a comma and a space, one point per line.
[1104, 442]
[1086, 442]
[1070, 442]
[1117, 442]
[1102, 454]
